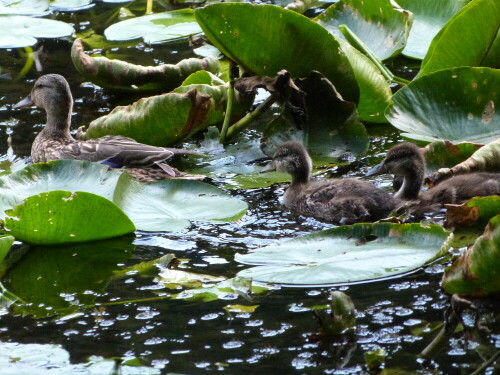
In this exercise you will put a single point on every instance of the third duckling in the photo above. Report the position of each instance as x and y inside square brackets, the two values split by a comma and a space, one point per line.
[407, 161]
[340, 201]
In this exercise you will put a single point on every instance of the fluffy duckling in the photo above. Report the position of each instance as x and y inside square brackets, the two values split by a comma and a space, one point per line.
[339, 201]
[52, 93]
[407, 161]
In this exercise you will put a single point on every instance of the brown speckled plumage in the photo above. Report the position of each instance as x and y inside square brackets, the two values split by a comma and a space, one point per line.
[406, 160]
[52, 93]
[339, 201]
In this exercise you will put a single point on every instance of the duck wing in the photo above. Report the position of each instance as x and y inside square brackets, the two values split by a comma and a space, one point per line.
[116, 151]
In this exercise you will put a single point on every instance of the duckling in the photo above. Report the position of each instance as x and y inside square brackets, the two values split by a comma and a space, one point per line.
[407, 161]
[339, 201]
[52, 93]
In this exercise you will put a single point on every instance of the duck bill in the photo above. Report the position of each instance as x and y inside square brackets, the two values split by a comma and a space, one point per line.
[268, 168]
[376, 170]
[26, 102]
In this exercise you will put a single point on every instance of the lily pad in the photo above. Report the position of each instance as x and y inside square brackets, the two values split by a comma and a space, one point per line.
[25, 7]
[170, 205]
[59, 217]
[457, 105]
[360, 252]
[474, 213]
[379, 24]
[429, 16]
[155, 28]
[22, 31]
[475, 273]
[277, 39]
[5, 245]
[444, 154]
[467, 38]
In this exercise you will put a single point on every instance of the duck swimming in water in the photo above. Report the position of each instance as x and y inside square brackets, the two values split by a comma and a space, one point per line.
[52, 93]
[407, 161]
[339, 201]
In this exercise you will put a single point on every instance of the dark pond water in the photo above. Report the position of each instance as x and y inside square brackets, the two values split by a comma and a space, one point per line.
[134, 316]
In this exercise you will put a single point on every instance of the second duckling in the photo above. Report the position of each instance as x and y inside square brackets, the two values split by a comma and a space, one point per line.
[339, 201]
[407, 161]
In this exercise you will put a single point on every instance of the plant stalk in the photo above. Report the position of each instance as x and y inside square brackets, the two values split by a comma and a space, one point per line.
[233, 74]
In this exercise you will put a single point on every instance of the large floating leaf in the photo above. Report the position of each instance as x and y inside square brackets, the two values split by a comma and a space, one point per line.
[277, 39]
[475, 273]
[64, 217]
[170, 205]
[429, 16]
[22, 31]
[353, 253]
[454, 104]
[122, 76]
[155, 28]
[467, 39]
[68, 175]
[24, 7]
[375, 93]
[45, 277]
[166, 119]
[383, 28]
[442, 154]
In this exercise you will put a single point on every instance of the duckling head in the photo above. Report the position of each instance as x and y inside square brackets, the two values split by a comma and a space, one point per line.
[406, 161]
[292, 158]
[49, 91]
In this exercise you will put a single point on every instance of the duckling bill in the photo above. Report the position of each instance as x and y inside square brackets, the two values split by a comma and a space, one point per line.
[407, 161]
[339, 201]
[52, 93]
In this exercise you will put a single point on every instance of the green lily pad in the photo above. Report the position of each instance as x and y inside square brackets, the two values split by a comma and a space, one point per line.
[277, 39]
[59, 217]
[429, 16]
[359, 252]
[170, 205]
[473, 213]
[45, 277]
[155, 28]
[381, 26]
[475, 273]
[25, 7]
[444, 154]
[467, 38]
[456, 105]
[22, 31]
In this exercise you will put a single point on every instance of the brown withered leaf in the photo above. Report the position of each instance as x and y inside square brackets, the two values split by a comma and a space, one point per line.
[460, 215]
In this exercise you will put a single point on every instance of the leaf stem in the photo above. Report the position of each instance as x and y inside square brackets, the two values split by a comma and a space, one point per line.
[359, 45]
[249, 117]
[30, 60]
[149, 7]
[233, 74]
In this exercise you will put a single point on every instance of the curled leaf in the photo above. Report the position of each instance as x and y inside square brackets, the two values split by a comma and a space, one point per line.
[122, 76]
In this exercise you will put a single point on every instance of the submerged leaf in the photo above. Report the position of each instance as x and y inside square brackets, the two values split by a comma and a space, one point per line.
[277, 39]
[379, 24]
[155, 28]
[429, 16]
[454, 104]
[475, 273]
[59, 217]
[466, 39]
[122, 76]
[359, 252]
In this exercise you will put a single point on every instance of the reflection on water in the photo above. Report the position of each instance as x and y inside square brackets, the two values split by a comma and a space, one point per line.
[131, 316]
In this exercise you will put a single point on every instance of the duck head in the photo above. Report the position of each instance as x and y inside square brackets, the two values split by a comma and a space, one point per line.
[292, 158]
[404, 161]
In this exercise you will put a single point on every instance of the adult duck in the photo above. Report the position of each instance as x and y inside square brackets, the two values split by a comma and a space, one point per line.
[406, 161]
[52, 93]
[339, 201]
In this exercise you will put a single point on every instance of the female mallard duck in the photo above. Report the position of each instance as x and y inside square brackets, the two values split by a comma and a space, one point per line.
[340, 201]
[51, 92]
[407, 161]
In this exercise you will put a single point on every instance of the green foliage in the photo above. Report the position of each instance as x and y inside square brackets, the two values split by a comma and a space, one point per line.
[155, 28]
[381, 26]
[358, 252]
[59, 217]
[455, 104]
[264, 46]
[467, 39]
